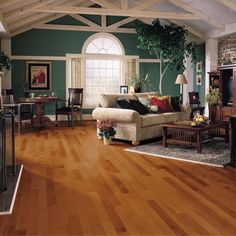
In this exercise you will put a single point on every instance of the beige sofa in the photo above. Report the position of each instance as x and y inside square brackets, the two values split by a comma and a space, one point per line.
[131, 125]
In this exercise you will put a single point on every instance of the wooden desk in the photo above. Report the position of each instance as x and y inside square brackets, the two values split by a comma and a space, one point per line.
[40, 103]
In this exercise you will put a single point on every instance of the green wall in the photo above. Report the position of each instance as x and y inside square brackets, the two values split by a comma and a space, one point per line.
[57, 43]
[200, 49]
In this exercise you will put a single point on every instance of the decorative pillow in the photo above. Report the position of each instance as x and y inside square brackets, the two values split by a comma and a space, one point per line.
[145, 101]
[138, 106]
[175, 103]
[153, 109]
[123, 103]
[163, 104]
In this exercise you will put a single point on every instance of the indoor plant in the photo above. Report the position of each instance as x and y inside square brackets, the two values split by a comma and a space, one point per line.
[5, 62]
[139, 81]
[213, 100]
[106, 130]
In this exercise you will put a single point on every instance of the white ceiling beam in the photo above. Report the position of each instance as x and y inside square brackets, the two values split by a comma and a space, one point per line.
[145, 5]
[104, 21]
[84, 28]
[122, 22]
[7, 3]
[228, 3]
[189, 28]
[84, 20]
[229, 29]
[209, 19]
[11, 16]
[33, 25]
[124, 4]
[105, 4]
[116, 12]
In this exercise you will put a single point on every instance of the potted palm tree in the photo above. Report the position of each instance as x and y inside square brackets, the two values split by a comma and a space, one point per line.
[139, 82]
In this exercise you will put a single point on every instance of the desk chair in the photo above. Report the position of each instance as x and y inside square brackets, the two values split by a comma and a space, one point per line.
[74, 107]
[195, 104]
[21, 111]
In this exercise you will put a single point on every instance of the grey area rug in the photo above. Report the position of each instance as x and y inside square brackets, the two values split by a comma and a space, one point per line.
[215, 152]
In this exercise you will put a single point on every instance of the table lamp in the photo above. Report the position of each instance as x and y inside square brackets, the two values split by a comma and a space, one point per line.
[181, 80]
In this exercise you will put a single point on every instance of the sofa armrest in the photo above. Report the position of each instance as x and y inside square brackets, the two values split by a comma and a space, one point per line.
[117, 114]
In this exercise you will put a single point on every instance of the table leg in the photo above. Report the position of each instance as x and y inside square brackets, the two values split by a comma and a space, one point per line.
[199, 142]
[226, 133]
[164, 137]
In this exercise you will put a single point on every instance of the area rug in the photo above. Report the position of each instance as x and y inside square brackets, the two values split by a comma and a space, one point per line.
[214, 153]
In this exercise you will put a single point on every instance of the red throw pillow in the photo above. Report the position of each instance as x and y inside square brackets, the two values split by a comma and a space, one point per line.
[163, 105]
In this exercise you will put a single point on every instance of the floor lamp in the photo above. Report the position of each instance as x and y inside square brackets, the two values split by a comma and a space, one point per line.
[181, 80]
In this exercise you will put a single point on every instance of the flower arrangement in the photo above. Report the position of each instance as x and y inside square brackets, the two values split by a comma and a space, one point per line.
[106, 128]
[213, 96]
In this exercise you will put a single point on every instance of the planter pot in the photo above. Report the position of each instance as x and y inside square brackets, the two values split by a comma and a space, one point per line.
[213, 112]
[107, 141]
[137, 90]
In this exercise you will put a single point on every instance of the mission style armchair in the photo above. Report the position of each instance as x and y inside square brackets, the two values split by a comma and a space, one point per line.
[74, 106]
[21, 111]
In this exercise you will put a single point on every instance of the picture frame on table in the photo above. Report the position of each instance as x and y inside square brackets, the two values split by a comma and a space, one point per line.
[123, 89]
[199, 80]
[199, 66]
[38, 74]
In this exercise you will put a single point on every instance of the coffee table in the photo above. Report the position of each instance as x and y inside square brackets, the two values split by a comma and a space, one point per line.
[182, 133]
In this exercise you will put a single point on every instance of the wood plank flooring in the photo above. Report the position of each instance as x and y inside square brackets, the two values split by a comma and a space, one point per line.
[72, 184]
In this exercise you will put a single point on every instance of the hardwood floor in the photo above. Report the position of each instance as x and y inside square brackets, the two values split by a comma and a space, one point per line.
[72, 184]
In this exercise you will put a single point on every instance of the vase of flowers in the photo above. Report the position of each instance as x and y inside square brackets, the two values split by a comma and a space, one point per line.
[107, 130]
[213, 100]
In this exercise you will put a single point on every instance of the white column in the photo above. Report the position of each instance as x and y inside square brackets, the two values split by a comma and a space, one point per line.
[211, 62]
[6, 78]
[189, 76]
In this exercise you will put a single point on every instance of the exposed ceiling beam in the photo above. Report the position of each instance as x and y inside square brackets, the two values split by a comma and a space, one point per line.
[84, 28]
[7, 3]
[124, 4]
[11, 16]
[228, 3]
[84, 20]
[5, 26]
[209, 19]
[104, 21]
[189, 28]
[15, 6]
[32, 25]
[117, 12]
[122, 22]
[229, 29]
[105, 4]
[145, 5]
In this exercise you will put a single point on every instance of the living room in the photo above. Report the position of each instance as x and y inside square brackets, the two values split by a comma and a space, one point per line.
[70, 182]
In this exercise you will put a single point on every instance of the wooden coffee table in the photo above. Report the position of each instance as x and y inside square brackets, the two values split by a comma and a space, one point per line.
[182, 133]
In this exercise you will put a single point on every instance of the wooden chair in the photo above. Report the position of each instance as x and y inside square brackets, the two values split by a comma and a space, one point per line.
[232, 120]
[195, 104]
[74, 107]
[21, 111]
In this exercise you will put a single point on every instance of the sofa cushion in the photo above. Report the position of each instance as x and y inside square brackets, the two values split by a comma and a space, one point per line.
[163, 104]
[172, 116]
[175, 103]
[152, 119]
[123, 103]
[138, 106]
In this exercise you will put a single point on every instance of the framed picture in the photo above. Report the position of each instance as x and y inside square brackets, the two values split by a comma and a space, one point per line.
[199, 80]
[123, 89]
[199, 67]
[38, 75]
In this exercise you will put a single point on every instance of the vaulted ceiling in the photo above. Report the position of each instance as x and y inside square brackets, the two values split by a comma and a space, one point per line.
[203, 18]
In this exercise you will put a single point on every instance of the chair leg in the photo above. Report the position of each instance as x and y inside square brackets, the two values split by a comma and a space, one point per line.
[72, 120]
[68, 120]
[19, 124]
[56, 119]
[32, 122]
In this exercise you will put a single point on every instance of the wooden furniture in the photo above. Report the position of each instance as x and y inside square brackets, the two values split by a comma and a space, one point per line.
[40, 103]
[195, 104]
[22, 111]
[233, 141]
[225, 80]
[181, 132]
[74, 107]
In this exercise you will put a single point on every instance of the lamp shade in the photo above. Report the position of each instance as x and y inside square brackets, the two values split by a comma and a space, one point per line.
[181, 79]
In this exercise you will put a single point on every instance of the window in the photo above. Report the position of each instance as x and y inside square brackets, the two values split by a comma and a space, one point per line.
[101, 68]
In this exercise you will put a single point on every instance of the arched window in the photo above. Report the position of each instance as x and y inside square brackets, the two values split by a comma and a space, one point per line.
[103, 68]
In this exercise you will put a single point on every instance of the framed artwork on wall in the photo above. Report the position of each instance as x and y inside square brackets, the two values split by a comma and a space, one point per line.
[199, 80]
[38, 75]
[199, 67]
[123, 89]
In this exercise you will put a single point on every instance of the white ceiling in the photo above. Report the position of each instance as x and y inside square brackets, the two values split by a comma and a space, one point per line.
[216, 17]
